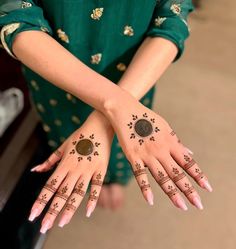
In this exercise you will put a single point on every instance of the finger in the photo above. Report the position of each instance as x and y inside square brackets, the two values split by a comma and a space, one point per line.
[51, 161]
[191, 167]
[181, 180]
[164, 181]
[74, 200]
[47, 192]
[96, 186]
[142, 180]
[58, 202]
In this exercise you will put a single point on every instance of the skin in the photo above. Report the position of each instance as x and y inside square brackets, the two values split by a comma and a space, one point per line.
[163, 155]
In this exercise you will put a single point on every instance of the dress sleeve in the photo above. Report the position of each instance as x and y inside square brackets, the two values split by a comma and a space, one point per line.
[170, 21]
[17, 16]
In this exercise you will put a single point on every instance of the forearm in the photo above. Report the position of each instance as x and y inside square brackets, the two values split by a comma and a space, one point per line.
[148, 64]
[45, 56]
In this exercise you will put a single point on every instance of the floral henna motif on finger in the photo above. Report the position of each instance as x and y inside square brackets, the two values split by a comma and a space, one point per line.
[51, 185]
[85, 147]
[62, 193]
[139, 170]
[42, 199]
[178, 176]
[171, 191]
[97, 181]
[93, 196]
[53, 209]
[188, 189]
[142, 128]
[78, 190]
[144, 186]
[70, 205]
[190, 162]
[162, 178]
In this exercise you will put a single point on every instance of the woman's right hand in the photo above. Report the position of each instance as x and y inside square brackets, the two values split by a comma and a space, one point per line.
[148, 141]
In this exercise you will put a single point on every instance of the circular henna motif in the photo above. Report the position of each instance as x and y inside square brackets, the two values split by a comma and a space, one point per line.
[84, 147]
[143, 128]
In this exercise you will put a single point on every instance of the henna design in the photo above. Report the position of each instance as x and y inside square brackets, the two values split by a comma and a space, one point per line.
[142, 127]
[172, 191]
[58, 153]
[51, 186]
[144, 186]
[188, 165]
[52, 210]
[139, 171]
[187, 158]
[62, 193]
[172, 133]
[162, 178]
[189, 191]
[93, 196]
[176, 171]
[70, 205]
[179, 177]
[42, 199]
[97, 181]
[85, 147]
[78, 190]
[199, 176]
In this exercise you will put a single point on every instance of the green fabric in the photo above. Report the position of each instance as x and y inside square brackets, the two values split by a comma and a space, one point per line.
[106, 40]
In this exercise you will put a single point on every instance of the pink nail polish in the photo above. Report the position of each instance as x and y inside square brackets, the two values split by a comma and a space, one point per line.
[34, 213]
[35, 168]
[207, 186]
[64, 220]
[197, 202]
[181, 204]
[90, 210]
[150, 198]
[45, 227]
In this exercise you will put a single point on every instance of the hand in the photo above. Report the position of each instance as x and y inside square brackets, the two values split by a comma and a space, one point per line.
[148, 141]
[84, 156]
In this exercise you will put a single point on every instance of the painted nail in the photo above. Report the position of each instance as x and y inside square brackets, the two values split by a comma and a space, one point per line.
[181, 204]
[34, 213]
[45, 226]
[35, 168]
[197, 202]
[90, 210]
[150, 198]
[64, 220]
[207, 186]
[189, 151]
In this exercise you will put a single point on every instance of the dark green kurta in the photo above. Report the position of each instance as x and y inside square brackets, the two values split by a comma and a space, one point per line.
[103, 34]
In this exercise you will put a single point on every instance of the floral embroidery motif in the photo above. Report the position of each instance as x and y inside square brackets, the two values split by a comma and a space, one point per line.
[97, 13]
[46, 128]
[53, 102]
[34, 85]
[176, 8]
[40, 107]
[62, 35]
[121, 67]
[57, 122]
[128, 30]
[75, 119]
[71, 98]
[159, 20]
[96, 58]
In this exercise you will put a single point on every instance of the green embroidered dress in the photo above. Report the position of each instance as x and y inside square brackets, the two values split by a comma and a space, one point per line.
[104, 35]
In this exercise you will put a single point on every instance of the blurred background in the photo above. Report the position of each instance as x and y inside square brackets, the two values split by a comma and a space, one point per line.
[197, 97]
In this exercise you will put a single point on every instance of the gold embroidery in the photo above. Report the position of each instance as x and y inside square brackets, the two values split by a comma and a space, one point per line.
[120, 165]
[57, 122]
[119, 155]
[175, 8]
[96, 58]
[53, 102]
[40, 107]
[97, 13]
[34, 85]
[75, 119]
[121, 67]
[71, 98]
[159, 20]
[128, 30]
[46, 128]
[62, 35]
[52, 143]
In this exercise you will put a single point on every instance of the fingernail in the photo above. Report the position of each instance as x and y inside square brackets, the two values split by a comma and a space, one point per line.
[197, 202]
[181, 204]
[35, 168]
[189, 151]
[90, 210]
[34, 213]
[64, 220]
[207, 186]
[45, 226]
[150, 198]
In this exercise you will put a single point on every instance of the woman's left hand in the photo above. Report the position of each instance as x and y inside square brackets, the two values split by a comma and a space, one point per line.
[83, 157]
